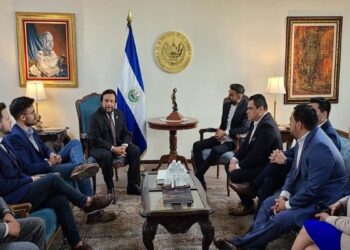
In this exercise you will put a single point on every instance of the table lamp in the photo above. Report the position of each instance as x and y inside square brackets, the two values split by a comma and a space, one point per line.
[36, 91]
[275, 86]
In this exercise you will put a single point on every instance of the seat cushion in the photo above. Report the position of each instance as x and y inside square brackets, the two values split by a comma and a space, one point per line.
[224, 158]
[50, 218]
[119, 161]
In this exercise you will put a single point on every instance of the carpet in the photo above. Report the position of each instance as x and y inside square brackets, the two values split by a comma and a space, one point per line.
[125, 233]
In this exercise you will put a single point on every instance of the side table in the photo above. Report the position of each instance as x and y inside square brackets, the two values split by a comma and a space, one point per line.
[56, 137]
[161, 123]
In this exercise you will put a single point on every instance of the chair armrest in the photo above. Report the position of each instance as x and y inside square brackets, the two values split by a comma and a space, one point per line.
[21, 210]
[206, 130]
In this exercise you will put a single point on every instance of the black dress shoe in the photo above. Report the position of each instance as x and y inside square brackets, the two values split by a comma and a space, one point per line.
[223, 244]
[133, 189]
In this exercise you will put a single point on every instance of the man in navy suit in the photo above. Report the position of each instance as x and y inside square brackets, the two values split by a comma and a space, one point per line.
[317, 177]
[233, 122]
[38, 158]
[48, 190]
[252, 157]
[275, 173]
[109, 138]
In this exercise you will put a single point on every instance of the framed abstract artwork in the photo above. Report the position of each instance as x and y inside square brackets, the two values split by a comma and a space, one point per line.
[312, 65]
[46, 49]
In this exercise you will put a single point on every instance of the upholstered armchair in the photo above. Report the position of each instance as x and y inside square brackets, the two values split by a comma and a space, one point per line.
[22, 210]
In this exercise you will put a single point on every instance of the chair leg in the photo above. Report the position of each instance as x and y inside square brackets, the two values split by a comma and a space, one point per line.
[116, 173]
[217, 171]
[228, 185]
[94, 183]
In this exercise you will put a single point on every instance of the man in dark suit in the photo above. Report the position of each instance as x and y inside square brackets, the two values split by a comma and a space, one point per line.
[317, 177]
[26, 233]
[250, 160]
[275, 173]
[233, 122]
[38, 158]
[109, 138]
[48, 190]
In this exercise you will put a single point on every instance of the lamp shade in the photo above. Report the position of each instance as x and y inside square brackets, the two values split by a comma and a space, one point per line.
[36, 91]
[275, 85]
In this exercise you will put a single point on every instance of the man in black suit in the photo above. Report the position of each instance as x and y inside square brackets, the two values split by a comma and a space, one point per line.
[109, 138]
[233, 122]
[263, 137]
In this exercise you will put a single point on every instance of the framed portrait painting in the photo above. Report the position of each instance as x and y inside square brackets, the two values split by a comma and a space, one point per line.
[312, 58]
[46, 49]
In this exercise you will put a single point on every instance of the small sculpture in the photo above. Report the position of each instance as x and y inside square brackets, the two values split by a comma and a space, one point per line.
[173, 100]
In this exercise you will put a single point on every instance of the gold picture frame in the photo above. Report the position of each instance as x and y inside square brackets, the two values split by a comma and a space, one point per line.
[47, 49]
[312, 65]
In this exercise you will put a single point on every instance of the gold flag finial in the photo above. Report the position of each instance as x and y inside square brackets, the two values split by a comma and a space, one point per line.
[129, 18]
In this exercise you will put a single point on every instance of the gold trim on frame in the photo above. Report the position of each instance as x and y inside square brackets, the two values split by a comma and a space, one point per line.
[173, 51]
[70, 80]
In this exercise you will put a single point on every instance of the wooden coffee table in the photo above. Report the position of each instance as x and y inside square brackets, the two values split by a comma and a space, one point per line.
[176, 218]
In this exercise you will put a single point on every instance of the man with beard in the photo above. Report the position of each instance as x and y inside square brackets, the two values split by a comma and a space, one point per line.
[109, 138]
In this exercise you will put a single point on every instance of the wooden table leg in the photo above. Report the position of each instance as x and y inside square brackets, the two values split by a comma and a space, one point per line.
[173, 151]
[208, 232]
[148, 233]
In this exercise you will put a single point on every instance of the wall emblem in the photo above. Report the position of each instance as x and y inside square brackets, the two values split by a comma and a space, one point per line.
[173, 51]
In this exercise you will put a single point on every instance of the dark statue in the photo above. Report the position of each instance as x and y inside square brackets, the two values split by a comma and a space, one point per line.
[173, 100]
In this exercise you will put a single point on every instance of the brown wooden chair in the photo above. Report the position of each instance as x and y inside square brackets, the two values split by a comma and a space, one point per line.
[85, 108]
[223, 159]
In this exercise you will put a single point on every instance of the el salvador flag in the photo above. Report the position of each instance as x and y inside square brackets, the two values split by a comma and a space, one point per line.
[131, 94]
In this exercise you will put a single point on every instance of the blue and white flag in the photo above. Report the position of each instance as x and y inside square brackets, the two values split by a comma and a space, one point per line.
[131, 94]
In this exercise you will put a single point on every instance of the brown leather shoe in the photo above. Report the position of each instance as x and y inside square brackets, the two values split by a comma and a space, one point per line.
[241, 210]
[243, 189]
[98, 202]
[223, 244]
[82, 247]
[100, 217]
[84, 171]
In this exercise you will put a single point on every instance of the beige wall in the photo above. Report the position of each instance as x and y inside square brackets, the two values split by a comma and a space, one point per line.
[233, 41]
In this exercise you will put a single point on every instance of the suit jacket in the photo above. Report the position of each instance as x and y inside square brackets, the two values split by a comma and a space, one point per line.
[33, 160]
[266, 138]
[332, 133]
[342, 223]
[100, 135]
[14, 184]
[320, 176]
[329, 130]
[239, 123]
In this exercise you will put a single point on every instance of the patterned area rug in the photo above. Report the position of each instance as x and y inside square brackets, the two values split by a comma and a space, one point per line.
[125, 233]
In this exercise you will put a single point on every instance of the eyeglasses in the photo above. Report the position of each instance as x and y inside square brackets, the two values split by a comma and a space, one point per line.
[31, 113]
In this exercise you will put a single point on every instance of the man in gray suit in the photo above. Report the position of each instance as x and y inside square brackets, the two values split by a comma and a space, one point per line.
[317, 179]
[27, 233]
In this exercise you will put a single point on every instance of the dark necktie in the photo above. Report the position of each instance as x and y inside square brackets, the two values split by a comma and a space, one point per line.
[111, 123]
